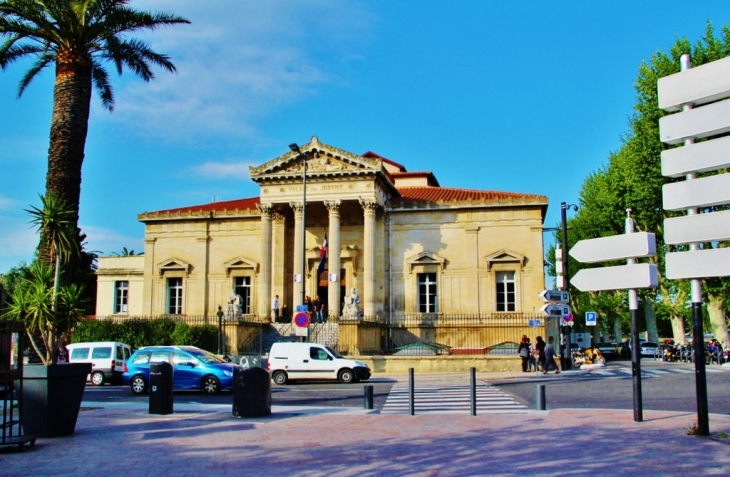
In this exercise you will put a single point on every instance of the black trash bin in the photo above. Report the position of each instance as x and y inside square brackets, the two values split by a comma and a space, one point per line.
[251, 392]
[161, 385]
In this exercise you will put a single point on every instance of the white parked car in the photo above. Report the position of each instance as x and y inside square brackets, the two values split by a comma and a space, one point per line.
[107, 359]
[649, 349]
[292, 361]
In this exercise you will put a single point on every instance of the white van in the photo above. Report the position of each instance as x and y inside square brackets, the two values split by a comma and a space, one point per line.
[292, 361]
[107, 359]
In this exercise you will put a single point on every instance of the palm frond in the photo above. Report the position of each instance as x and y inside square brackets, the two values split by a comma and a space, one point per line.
[103, 87]
[43, 61]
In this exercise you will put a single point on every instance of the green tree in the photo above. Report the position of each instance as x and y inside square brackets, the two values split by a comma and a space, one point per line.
[78, 37]
[632, 179]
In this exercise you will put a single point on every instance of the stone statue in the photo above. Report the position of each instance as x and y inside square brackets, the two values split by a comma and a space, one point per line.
[352, 304]
[235, 305]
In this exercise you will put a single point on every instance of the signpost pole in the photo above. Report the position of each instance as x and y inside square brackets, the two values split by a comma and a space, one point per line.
[698, 333]
[566, 357]
[635, 347]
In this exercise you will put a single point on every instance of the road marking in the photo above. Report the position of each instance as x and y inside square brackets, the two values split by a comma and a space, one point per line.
[445, 399]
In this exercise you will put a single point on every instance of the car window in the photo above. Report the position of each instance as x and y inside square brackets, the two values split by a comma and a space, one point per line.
[160, 357]
[80, 353]
[333, 352]
[120, 352]
[126, 354]
[142, 357]
[101, 353]
[178, 357]
[318, 353]
[205, 356]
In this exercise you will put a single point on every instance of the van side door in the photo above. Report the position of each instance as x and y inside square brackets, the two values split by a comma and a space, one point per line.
[321, 364]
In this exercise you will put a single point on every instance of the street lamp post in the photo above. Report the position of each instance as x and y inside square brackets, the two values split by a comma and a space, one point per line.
[295, 148]
[564, 207]
[220, 329]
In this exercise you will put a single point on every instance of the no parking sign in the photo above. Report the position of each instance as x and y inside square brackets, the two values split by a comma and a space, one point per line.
[301, 323]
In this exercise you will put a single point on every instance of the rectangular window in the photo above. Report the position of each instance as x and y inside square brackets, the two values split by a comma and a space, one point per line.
[174, 295]
[121, 296]
[505, 291]
[427, 298]
[243, 289]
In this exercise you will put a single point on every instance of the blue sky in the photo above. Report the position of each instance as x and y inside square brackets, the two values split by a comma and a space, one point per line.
[521, 96]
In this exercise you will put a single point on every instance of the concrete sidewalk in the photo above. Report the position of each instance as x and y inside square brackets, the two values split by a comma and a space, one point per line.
[206, 440]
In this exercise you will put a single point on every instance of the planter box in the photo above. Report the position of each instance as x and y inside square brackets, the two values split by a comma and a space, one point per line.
[52, 398]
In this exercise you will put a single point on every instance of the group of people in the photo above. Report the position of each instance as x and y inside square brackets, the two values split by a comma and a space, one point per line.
[540, 356]
[317, 310]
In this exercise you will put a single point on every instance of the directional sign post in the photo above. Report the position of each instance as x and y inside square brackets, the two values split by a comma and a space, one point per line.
[555, 296]
[699, 98]
[555, 310]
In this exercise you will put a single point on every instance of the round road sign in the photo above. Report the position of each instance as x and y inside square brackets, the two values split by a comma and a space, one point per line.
[568, 317]
[301, 319]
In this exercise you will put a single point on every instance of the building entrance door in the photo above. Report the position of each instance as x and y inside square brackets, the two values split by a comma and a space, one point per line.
[322, 285]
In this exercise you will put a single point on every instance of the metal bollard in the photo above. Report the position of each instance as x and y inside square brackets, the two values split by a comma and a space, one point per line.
[411, 385]
[540, 401]
[368, 397]
[473, 391]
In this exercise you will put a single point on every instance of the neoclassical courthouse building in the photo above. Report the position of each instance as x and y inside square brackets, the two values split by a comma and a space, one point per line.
[403, 242]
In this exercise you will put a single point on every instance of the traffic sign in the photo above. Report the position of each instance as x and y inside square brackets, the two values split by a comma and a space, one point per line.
[698, 263]
[700, 85]
[623, 277]
[697, 228]
[707, 121]
[616, 247]
[704, 156]
[555, 310]
[704, 192]
[567, 323]
[558, 296]
[568, 316]
[301, 319]
[591, 318]
[534, 323]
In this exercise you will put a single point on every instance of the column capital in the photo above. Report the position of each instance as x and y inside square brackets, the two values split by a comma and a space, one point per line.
[277, 217]
[298, 207]
[265, 208]
[333, 205]
[369, 205]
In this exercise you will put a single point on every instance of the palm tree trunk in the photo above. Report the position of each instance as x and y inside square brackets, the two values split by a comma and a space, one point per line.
[69, 126]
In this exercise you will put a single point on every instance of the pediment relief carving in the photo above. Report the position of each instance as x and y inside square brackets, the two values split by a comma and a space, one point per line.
[317, 164]
[505, 256]
[240, 263]
[173, 264]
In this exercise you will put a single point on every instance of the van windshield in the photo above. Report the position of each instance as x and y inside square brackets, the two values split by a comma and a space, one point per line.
[205, 356]
[333, 352]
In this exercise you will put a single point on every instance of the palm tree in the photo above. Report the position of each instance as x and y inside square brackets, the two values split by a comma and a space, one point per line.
[79, 37]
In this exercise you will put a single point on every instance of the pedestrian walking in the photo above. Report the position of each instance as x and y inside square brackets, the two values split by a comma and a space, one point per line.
[540, 347]
[524, 351]
[532, 363]
[550, 357]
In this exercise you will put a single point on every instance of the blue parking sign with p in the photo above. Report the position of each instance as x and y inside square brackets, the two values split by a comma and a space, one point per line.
[591, 318]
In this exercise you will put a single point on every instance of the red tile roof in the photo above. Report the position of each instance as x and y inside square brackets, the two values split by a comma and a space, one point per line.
[372, 155]
[229, 205]
[448, 194]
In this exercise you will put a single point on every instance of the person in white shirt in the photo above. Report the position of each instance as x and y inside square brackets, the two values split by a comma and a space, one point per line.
[275, 306]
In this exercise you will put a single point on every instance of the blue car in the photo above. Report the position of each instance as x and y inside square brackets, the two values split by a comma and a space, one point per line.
[193, 368]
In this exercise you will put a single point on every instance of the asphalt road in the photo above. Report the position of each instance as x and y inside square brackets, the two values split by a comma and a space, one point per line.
[671, 391]
[297, 394]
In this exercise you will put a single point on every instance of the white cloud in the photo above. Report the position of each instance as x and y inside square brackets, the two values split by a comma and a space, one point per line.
[221, 170]
[237, 62]
[7, 203]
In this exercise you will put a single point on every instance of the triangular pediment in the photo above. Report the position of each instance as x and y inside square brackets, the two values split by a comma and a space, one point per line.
[173, 264]
[425, 258]
[504, 256]
[240, 263]
[322, 159]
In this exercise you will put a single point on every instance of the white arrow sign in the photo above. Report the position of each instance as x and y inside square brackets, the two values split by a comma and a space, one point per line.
[698, 264]
[616, 247]
[555, 310]
[624, 277]
[704, 192]
[701, 122]
[699, 157]
[697, 228]
[701, 85]
[555, 296]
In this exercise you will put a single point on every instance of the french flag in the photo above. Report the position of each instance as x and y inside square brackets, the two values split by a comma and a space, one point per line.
[322, 255]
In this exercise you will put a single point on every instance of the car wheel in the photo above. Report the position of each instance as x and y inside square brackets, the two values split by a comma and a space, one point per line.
[211, 385]
[138, 385]
[280, 378]
[346, 376]
[97, 378]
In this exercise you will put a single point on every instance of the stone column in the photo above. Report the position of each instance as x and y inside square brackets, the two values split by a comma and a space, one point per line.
[264, 296]
[279, 281]
[298, 259]
[333, 260]
[471, 297]
[369, 207]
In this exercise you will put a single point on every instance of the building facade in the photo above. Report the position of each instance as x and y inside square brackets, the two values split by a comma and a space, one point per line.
[405, 245]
